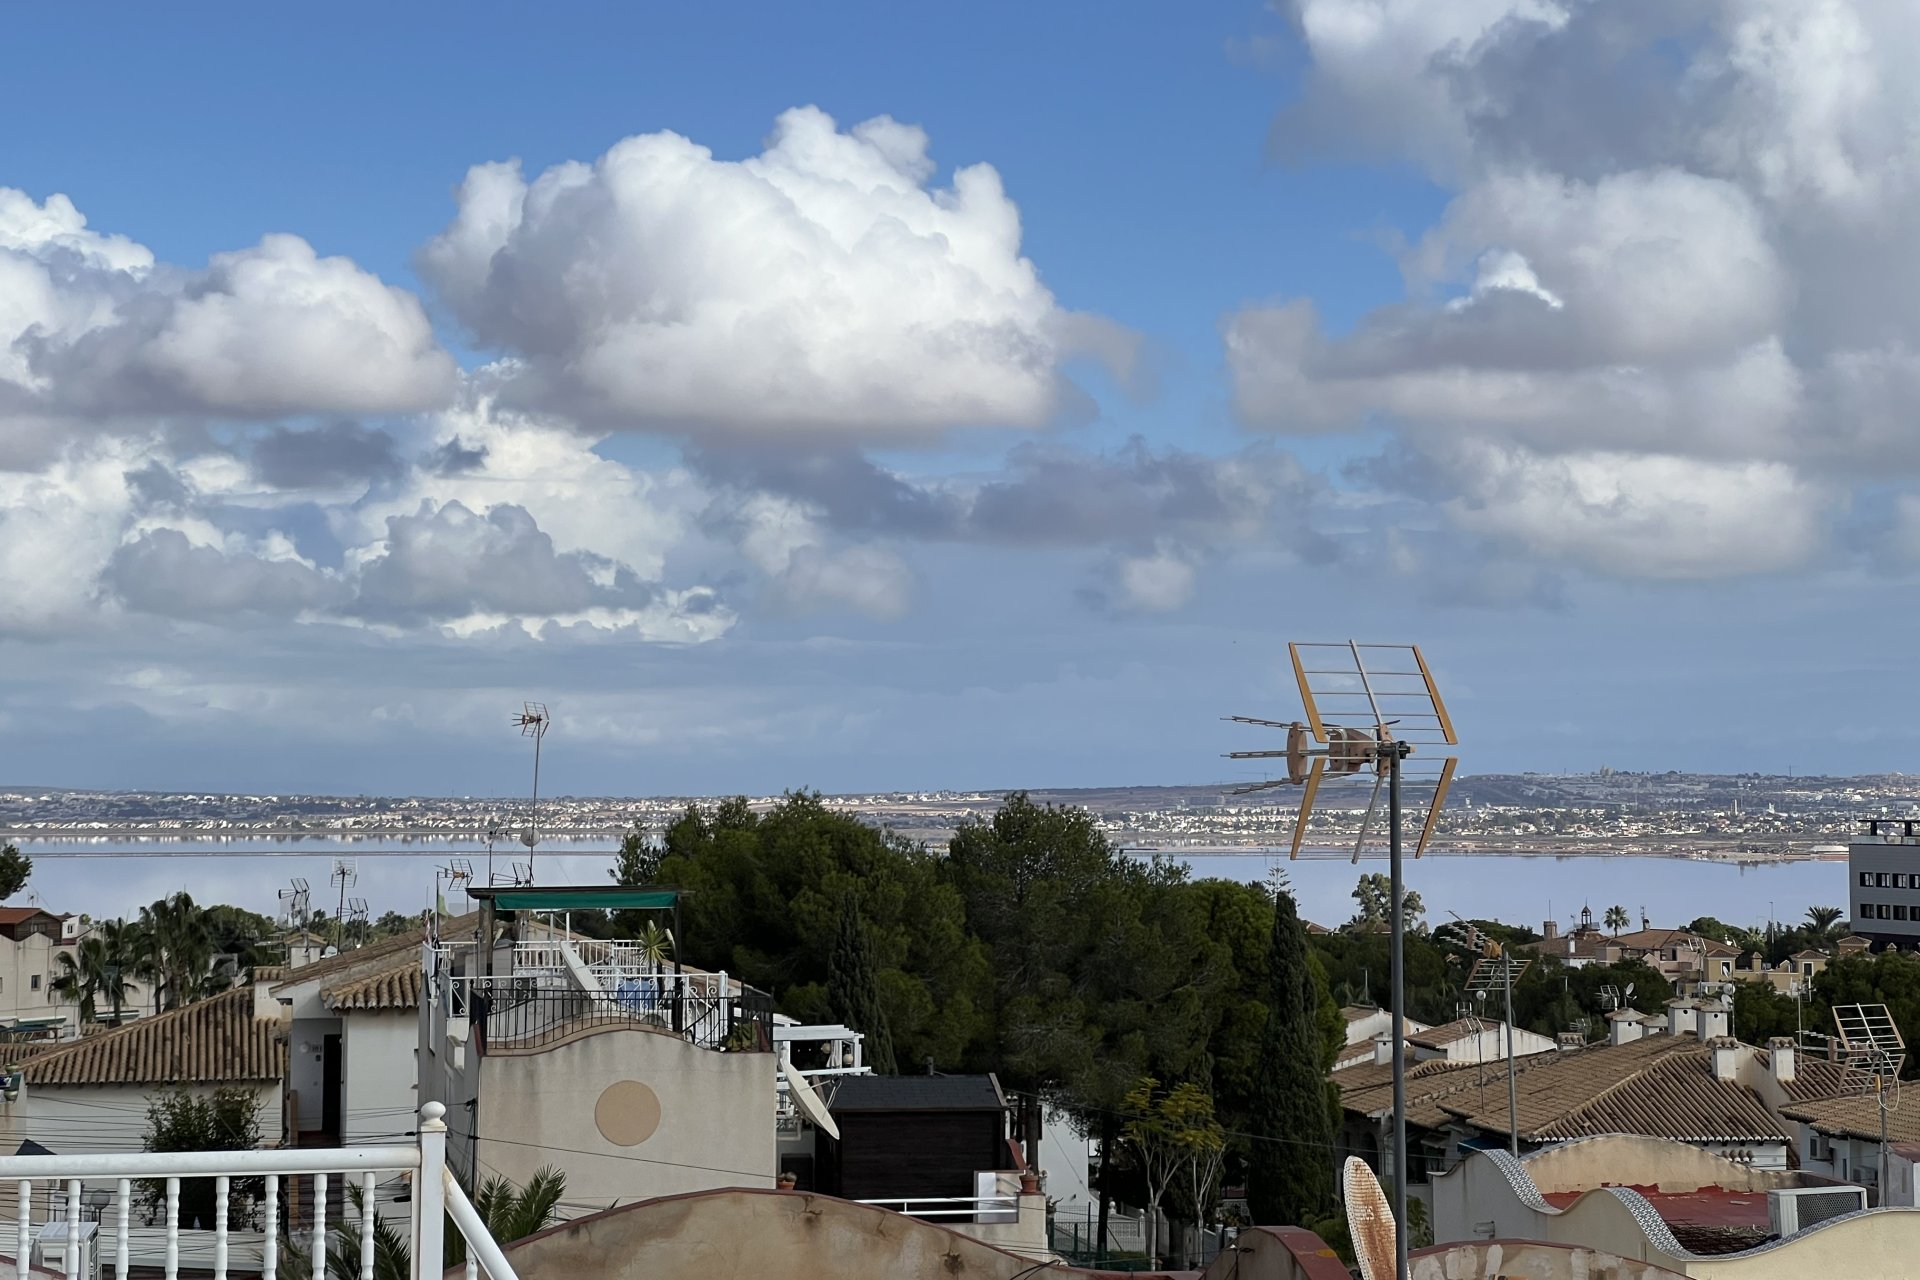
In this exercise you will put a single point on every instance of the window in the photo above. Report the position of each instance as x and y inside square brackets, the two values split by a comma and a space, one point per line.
[33, 981]
[1880, 879]
[1866, 879]
[1899, 880]
[1899, 911]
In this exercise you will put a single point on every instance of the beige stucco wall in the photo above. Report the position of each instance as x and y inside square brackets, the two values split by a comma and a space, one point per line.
[1475, 1193]
[761, 1235]
[716, 1118]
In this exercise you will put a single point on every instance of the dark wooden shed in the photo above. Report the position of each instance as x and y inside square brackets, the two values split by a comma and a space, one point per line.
[913, 1136]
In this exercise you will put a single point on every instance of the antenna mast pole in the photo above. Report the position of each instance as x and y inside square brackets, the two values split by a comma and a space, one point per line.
[534, 829]
[1395, 752]
[1513, 1089]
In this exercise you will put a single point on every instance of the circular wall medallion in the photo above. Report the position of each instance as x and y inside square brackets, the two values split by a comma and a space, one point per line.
[627, 1114]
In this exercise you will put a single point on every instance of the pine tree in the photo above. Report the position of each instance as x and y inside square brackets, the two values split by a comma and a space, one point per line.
[1290, 1168]
[853, 990]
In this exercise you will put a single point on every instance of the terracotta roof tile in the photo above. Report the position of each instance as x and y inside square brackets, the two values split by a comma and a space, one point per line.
[394, 986]
[401, 943]
[1856, 1116]
[217, 1041]
[1661, 1086]
[1448, 1032]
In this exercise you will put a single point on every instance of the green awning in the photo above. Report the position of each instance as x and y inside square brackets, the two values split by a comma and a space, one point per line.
[611, 898]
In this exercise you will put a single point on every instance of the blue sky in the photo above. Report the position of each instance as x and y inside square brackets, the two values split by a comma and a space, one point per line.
[1576, 345]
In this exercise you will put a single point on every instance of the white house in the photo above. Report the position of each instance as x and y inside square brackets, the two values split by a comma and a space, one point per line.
[91, 1094]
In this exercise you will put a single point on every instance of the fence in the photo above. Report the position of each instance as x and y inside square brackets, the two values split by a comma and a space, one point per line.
[435, 1196]
[994, 1208]
[523, 1011]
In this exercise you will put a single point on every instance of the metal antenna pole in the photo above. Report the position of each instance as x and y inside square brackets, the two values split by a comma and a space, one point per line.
[534, 830]
[1398, 934]
[1513, 1089]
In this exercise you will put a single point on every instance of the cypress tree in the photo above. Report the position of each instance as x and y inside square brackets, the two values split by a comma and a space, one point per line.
[1290, 1168]
[853, 987]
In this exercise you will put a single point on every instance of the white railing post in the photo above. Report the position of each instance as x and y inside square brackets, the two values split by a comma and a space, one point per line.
[222, 1186]
[270, 1236]
[366, 1226]
[319, 1226]
[23, 1245]
[430, 1196]
[72, 1267]
[173, 1228]
[124, 1194]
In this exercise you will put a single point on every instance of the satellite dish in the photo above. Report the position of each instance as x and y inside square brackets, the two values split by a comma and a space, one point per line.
[330, 952]
[1369, 1221]
[806, 1099]
[1629, 991]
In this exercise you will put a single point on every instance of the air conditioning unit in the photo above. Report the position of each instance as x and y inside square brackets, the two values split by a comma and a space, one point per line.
[50, 1249]
[1797, 1208]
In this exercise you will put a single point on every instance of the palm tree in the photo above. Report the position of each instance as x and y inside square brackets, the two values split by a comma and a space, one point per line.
[1618, 919]
[509, 1213]
[96, 966]
[654, 946]
[1821, 922]
[178, 951]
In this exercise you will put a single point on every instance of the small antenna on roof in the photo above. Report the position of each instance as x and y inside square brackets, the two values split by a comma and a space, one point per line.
[345, 874]
[534, 722]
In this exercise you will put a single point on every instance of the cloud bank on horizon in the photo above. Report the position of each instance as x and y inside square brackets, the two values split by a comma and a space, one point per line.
[1665, 329]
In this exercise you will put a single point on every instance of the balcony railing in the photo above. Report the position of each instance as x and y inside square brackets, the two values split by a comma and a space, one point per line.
[994, 1208]
[530, 1010]
[67, 1179]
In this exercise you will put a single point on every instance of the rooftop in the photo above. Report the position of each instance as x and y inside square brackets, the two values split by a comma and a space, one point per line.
[917, 1093]
[1856, 1116]
[216, 1041]
[1661, 1086]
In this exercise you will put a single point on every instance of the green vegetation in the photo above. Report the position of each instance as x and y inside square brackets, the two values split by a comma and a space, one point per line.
[228, 1119]
[1292, 1110]
[15, 867]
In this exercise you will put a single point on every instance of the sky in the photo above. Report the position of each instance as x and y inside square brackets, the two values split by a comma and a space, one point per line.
[875, 397]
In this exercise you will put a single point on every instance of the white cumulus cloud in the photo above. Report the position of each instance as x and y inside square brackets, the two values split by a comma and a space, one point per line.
[823, 288]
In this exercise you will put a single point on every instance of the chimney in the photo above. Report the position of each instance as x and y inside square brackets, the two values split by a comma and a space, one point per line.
[1383, 1048]
[1780, 1058]
[1550, 929]
[1680, 1016]
[1726, 1057]
[1572, 1040]
[1713, 1019]
[1625, 1028]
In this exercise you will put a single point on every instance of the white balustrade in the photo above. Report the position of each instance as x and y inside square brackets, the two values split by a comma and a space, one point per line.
[225, 1250]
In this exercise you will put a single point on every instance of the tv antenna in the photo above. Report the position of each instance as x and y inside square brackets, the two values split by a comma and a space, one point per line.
[457, 873]
[1873, 1053]
[1368, 708]
[299, 907]
[297, 899]
[533, 721]
[1494, 970]
[357, 917]
[345, 874]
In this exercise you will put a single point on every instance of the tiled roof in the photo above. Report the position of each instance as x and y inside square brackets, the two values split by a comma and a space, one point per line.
[1856, 1116]
[393, 986]
[1814, 1078]
[402, 943]
[916, 1093]
[1368, 1088]
[1355, 1012]
[217, 1041]
[15, 915]
[1447, 1032]
[1661, 1086]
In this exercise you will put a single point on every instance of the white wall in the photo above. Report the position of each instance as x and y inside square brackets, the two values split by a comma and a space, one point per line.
[377, 1089]
[1064, 1157]
[78, 1119]
[306, 1060]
